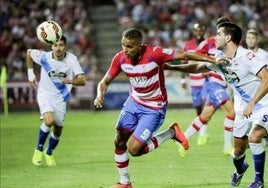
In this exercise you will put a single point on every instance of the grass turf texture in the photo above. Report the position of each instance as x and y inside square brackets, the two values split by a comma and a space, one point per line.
[85, 156]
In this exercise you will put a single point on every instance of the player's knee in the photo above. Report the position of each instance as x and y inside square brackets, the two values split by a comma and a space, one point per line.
[49, 121]
[134, 151]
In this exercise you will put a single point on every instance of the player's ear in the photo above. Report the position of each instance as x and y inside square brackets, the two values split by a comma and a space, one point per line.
[228, 38]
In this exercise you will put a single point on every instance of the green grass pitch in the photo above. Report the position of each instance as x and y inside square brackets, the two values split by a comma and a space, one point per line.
[85, 157]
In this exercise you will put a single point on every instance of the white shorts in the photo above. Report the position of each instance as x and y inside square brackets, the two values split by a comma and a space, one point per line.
[52, 103]
[243, 125]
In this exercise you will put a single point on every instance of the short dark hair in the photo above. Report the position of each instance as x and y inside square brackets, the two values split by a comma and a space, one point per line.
[63, 38]
[221, 20]
[232, 29]
[133, 34]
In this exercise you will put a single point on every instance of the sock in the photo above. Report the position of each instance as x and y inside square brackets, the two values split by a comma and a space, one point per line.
[158, 139]
[238, 162]
[122, 161]
[228, 132]
[53, 142]
[43, 133]
[203, 130]
[194, 127]
[258, 155]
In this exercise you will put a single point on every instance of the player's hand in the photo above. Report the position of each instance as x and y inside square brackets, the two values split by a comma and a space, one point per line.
[66, 81]
[98, 102]
[32, 78]
[248, 110]
[223, 61]
[33, 83]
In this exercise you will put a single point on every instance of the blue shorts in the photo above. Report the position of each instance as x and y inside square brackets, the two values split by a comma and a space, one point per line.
[198, 96]
[140, 120]
[216, 94]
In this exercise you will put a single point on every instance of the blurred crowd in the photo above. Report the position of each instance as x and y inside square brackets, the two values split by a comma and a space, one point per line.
[20, 18]
[167, 23]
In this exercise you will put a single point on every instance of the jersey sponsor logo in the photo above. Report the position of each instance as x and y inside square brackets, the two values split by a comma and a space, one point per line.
[167, 51]
[229, 75]
[250, 55]
[53, 74]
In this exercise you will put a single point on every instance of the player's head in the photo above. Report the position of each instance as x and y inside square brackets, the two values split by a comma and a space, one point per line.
[221, 20]
[198, 32]
[228, 32]
[132, 42]
[59, 48]
[252, 38]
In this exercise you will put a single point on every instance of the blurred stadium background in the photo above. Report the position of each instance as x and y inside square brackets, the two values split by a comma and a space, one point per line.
[93, 29]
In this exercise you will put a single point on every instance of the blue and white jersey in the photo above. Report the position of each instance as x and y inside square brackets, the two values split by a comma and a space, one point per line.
[241, 75]
[52, 71]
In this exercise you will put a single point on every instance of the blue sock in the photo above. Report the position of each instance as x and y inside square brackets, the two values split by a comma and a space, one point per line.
[259, 162]
[41, 139]
[53, 142]
[239, 164]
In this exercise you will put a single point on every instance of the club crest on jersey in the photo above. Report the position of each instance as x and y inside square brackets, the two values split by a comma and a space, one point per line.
[167, 51]
[250, 55]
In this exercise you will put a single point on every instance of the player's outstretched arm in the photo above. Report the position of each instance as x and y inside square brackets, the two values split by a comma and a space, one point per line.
[101, 90]
[183, 55]
[187, 68]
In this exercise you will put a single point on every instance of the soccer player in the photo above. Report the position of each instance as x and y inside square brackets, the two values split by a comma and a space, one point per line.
[60, 70]
[196, 80]
[144, 110]
[252, 37]
[247, 75]
[216, 97]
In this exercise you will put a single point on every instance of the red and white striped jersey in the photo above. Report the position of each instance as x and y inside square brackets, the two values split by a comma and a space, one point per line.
[147, 82]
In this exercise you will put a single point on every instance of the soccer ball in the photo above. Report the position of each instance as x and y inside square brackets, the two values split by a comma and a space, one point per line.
[49, 32]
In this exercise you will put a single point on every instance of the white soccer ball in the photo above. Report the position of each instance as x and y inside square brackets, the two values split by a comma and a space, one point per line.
[49, 32]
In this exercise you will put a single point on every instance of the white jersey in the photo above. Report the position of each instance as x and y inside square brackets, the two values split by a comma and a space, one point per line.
[241, 75]
[52, 71]
[262, 54]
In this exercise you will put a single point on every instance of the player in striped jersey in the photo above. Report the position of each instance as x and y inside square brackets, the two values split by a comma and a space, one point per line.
[196, 81]
[144, 111]
[216, 97]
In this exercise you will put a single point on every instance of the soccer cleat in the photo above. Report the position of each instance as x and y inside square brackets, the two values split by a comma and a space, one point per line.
[236, 178]
[182, 151]
[119, 185]
[37, 157]
[50, 159]
[256, 184]
[228, 151]
[179, 136]
[202, 140]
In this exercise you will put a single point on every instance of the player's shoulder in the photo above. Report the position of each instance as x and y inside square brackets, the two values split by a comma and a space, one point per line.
[246, 54]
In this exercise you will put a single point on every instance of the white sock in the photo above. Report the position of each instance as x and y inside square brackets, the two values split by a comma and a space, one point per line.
[164, 136]
[194, 127]
[228, 132]
[203, 130]
[122, 161]
[44, 128]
